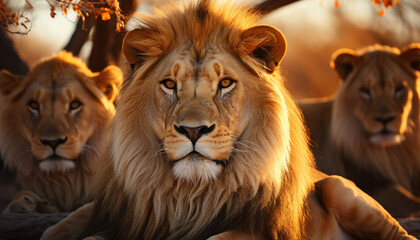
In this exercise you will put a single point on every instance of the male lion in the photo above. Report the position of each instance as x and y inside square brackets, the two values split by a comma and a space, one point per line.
[207, 143]
[53, 125]
[370, 131]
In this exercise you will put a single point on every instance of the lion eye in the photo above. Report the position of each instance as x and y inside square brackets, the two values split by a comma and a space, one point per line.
[365, 93]
[226, 85]
[34, 105]
[169, 84]
[400, 90]
[74, 105]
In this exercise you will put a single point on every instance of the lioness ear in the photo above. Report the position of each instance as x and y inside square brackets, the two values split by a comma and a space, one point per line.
[138, 44]
[8, 82]
[109, 81]
[344, 61]
[411, 53]
[264, 43]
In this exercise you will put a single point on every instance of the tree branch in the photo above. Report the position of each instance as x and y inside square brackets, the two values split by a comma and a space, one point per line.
[268, 6]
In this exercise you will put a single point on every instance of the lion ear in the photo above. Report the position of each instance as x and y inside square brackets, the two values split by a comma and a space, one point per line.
[264, 43]
[411, 53]
[9, 82]
[344, 62]
[138, 44]
[109, 81]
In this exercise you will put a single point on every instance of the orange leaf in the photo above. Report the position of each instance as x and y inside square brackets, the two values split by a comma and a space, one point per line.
[336, 4]
[105, 16]
[381, 12]
[377, 2]
[65, 11]
[388, 3]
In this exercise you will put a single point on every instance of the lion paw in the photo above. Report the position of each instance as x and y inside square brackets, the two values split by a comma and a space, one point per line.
[27, 201]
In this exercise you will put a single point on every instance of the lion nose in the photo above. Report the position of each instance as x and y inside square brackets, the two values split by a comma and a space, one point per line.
[53, 143]
[194, 133]
[384, 119]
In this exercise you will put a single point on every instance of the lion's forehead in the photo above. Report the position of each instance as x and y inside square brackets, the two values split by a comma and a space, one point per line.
[50, 91]
[384, 76]
[197, 74]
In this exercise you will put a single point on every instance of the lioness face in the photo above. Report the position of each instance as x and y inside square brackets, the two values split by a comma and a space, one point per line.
[57, 120]
[56, 113]
[202, 102]
[381, 99]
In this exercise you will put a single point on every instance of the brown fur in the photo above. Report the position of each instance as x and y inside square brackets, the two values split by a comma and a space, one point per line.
[22, 127]
[342, 127]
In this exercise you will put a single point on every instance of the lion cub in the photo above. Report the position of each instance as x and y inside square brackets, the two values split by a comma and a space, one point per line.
[53, 125]
[370, 131]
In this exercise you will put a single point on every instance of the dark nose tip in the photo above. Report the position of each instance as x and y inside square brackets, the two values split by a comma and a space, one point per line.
[194, 133]
[53, 143]
[384, 119]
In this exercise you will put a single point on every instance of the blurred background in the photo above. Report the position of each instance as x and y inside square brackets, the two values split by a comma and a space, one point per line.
[314, 29]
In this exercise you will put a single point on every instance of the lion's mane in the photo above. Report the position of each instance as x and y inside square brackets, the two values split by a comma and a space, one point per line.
[138, 196]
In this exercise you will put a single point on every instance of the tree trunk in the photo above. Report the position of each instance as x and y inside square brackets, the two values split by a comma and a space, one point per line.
[9, 59]
[80, 35]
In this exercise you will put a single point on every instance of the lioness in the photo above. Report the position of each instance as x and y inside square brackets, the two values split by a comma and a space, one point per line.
[208, 144]
[369, 132]
[53, 125]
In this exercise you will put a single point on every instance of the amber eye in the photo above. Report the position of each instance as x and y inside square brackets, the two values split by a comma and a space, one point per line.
[169, 84]
[365, 92]
[34, 105]
[225, 83]
[400, 90]
[74, 105]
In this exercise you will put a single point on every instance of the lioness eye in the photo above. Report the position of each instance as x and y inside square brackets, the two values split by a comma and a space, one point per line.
[75, 105]
[34, 105]
[225, 83]
[400, 90]
[169, 84]
[364, 92]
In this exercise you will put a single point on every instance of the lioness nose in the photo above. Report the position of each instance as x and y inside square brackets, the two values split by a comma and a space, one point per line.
[194, 133]
[384, 119]
[53, 143]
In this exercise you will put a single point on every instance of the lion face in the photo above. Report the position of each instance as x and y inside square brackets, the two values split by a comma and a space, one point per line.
[203, 105]
[57, 108]
[378, 93]
[199, 109]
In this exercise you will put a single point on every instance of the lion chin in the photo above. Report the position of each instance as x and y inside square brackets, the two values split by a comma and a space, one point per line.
[195, 166]
[56, 165]
[385, 140]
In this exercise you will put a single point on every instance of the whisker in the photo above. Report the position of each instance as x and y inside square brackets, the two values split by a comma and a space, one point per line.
[244, 146]
[88, 148]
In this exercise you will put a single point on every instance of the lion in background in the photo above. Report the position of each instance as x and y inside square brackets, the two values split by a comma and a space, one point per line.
[369, 132]
[207, 143]
[53, 124]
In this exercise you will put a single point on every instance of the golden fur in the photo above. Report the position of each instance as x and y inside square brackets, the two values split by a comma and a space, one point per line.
[164, 205]
[380, 86]
[53, 125]
[207, 143]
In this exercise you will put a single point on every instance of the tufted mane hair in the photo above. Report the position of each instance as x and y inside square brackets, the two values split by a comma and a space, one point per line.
[262, 189]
